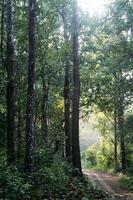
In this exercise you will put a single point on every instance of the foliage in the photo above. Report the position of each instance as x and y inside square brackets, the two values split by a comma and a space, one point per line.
[13, 184]
[105, 156]
[100, 156]
[90, 155]
[57, 182]
[53, 182]
[126, 182]
[106, 75]
[43, 157]
[129, 141]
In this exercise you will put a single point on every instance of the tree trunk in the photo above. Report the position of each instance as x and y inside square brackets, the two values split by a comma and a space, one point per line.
[115, 141]
[19, 136]
[10, 86]
[44, 122]
[66, 88]
[30, 129]
[121, 134]
[76, 159]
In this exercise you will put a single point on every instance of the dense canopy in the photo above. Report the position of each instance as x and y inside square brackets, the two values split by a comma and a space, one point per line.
[63, 63]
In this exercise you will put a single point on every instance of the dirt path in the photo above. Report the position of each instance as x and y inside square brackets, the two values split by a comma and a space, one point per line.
[108, 183]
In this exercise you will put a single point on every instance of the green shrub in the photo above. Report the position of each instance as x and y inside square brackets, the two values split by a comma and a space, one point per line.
[126, 182]
[51, 181]
[46, 183]
[13, 185]
[43, 157]
[90, 155]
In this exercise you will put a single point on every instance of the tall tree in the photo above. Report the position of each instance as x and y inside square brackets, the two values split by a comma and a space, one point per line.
[44, 120]
[121, 122]
[10, 86]
[115, 141]
[30, 129]
[76, 159]
[63, 13]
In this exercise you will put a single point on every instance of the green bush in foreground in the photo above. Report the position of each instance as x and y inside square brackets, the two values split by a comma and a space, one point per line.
[126, 182]
[55, 182]
[13, 185]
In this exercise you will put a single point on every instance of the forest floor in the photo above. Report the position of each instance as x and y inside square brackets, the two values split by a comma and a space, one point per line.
[108, 183]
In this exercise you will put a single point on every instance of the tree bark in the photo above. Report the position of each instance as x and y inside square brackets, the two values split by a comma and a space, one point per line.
[10, 86]
[120, 116]
[121, 134]
[76, 159]
[19, 136]
[115, 141]
[66, 87]
[44, 122]
[2, 30]
[30, 129]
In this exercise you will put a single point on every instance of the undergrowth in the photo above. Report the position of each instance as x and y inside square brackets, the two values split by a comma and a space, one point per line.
[126, 182]
[53, 182]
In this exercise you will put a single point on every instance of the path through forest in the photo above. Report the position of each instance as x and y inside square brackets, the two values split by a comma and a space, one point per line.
[108, 183]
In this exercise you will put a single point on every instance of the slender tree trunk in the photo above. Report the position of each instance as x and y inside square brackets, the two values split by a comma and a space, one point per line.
[10, 86]
[76, 159]
[120, 118]
[121, 134]
[2, 30]
[44, 122]
[115, 141]
[19, 136]
[30, 129]
[66, 88]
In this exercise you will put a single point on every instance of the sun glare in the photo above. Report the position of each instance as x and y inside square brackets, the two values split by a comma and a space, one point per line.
[93, 7]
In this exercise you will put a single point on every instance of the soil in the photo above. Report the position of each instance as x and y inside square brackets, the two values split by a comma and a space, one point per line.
[109, 183]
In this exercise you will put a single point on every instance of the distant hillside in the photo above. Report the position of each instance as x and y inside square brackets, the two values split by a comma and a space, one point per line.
[88, 134]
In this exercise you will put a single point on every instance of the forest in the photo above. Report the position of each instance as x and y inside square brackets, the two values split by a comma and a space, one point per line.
[64, 69]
